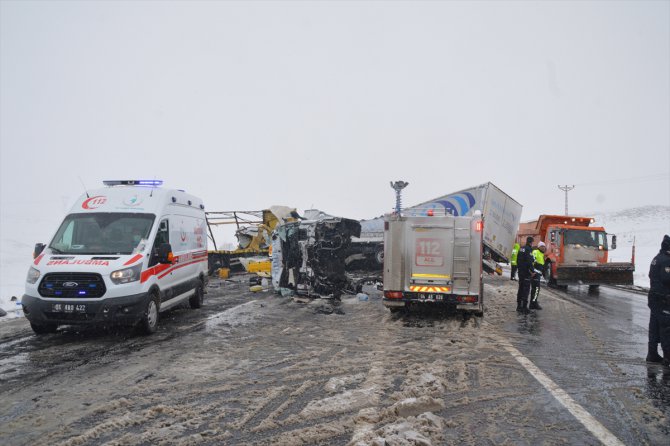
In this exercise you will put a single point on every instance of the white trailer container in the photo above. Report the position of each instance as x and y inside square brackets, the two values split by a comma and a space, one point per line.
[433, 260]
[500, 212]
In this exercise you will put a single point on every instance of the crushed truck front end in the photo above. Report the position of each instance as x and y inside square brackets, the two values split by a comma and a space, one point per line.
[433, 260]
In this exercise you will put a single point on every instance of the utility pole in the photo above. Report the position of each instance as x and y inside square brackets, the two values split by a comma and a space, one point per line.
[566, 189]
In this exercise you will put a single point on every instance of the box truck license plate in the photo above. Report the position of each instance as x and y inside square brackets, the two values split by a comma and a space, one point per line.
[68, 308]
[430, 297]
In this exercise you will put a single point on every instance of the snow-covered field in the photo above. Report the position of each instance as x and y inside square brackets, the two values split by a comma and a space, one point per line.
[22, 227]
[645, 226]
[22, 224]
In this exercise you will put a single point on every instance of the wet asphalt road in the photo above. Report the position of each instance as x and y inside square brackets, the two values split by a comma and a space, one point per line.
[256, 369]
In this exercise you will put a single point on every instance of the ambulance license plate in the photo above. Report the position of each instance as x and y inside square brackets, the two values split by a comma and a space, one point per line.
[68, 308]
[430, 297]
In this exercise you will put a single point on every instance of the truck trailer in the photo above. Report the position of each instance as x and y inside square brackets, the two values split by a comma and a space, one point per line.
[433, 260]
[577, 252]
[500, 212]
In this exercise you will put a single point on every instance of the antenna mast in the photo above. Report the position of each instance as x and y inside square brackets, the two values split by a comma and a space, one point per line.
[398, 186]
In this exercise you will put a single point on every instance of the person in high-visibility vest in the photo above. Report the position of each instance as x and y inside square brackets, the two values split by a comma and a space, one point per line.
[538, 267]
[512, 260]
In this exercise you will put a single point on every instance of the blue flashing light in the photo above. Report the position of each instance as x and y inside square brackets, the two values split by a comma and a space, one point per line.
[82, 293]
[58, 293]
[92, 285]
[153, 183]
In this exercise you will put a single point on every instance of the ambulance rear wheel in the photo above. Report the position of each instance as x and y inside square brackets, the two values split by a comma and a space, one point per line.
[149, 321]
[198, 298]
[42, 329]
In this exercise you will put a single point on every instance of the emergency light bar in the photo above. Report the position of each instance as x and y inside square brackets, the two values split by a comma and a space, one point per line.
[133, 182]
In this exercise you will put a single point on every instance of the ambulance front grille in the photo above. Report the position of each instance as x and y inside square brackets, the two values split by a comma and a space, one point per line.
[72, 285]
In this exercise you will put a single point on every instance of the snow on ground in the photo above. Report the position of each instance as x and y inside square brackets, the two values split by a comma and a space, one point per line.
[645, 226]
[25, 223]
[22, 224]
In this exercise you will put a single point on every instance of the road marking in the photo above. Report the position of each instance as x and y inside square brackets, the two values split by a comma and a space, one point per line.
[590, 423]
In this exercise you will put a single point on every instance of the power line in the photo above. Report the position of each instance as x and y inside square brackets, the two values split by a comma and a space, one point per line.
[659, 176]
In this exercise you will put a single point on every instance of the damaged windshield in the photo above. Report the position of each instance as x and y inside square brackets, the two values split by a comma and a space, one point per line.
[594, 239]
[102, 233]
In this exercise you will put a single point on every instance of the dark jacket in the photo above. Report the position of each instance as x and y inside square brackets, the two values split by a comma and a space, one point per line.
[659, 273]
[525, 261]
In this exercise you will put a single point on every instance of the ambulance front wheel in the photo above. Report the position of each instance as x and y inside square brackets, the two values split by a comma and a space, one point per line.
[198, 297]
[42, 329]
[149, 321]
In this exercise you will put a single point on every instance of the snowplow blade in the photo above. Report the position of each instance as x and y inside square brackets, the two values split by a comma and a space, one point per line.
[604, 274]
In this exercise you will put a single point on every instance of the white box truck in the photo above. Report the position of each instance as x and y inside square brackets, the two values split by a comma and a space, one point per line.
[500, 212]
[433, 259]
[123, 254]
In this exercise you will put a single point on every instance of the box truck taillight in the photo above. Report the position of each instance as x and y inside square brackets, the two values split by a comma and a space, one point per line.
[393, 294]
[467, 299]
[479, 226]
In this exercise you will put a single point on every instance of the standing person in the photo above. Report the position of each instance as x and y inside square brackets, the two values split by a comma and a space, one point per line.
[659, 304]
[525, 263]
[538, 268]
[513, 257]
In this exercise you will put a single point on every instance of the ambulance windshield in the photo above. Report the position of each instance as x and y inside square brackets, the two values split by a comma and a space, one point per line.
[101, 233]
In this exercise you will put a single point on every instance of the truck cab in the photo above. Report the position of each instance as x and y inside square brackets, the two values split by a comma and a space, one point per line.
[577, 253]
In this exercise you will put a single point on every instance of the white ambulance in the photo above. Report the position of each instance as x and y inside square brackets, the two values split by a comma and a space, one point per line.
[123, 254]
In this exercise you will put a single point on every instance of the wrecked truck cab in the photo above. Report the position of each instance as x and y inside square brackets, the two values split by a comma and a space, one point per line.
[312, 255]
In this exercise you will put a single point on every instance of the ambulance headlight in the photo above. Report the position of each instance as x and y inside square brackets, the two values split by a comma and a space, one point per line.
[126, 275]
[33, 275]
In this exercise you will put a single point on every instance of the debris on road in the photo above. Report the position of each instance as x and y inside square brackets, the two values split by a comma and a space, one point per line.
[313, 255]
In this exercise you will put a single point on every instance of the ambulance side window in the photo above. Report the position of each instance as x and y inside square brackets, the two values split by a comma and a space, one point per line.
[162, 236]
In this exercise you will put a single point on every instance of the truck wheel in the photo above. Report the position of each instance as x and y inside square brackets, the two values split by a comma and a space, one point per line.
[594, 289]
[379, 257]
[551, 280]
[149, 321]
[42, 329]
[198, 297]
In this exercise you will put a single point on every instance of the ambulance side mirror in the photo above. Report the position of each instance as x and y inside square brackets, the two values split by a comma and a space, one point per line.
[165, 254]
[613, 242]
[39, 247]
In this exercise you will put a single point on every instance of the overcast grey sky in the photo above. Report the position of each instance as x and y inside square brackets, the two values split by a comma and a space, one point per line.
[250, 104]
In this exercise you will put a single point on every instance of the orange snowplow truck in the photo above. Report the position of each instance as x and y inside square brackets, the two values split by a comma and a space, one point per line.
[576, 252]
